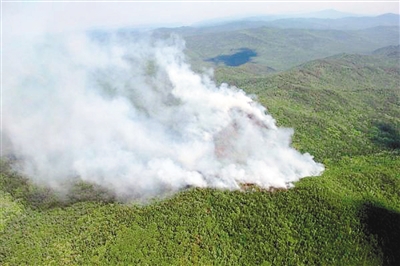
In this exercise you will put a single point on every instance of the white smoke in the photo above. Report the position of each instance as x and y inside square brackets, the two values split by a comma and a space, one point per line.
[130, 115]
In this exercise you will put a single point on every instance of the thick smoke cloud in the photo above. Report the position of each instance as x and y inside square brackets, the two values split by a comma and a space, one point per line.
[130, 115]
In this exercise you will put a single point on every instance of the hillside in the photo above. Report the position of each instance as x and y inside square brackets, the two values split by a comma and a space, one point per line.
[323, 14]
[328, 20]
[281, 49]
[391, 51]
[345, 110]
[342, 101]
[342, 23]
[282, 43]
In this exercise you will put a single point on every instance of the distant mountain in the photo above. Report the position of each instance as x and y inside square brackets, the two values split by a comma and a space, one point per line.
[327, 14]
[281, 49]
[277, 45]
[346, 23]
[342, 23]
[324, 14]
[392, 51]
[228, 20]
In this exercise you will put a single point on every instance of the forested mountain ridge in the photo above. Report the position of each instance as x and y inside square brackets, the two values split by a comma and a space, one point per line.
[345, 111]
[346, 98]
[281, 49]
[338, 89]
[339, 23]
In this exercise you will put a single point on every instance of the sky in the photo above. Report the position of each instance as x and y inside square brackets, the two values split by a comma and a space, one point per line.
[38, 17]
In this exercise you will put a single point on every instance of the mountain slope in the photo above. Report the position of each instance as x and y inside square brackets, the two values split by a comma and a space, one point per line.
[319, 20]
[281, 49]
[339, 102]
[345, 111]
[345, 23]
[391, 51]
[328, 14]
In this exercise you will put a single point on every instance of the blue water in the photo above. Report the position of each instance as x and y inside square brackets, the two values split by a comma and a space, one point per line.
[241, 57]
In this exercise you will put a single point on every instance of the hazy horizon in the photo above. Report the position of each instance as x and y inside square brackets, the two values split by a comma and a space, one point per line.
[43, 17]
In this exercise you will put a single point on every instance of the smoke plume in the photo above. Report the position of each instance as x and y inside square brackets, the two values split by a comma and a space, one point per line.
[130, 115]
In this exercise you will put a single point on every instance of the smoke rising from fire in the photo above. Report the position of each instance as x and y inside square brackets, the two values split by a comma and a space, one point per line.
[129, 114]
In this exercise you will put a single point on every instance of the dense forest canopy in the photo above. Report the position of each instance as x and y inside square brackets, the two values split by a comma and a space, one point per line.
[335, 82]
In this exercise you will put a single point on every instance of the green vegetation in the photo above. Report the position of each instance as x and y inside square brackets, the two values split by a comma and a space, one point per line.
[345, 110]
[325, 220]
[281, 49]
[349, 104]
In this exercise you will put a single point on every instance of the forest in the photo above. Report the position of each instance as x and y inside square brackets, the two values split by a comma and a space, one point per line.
[336, 84]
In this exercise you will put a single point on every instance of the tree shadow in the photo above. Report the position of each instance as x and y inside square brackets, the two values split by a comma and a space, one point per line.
[383, 225]
[387, 135]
